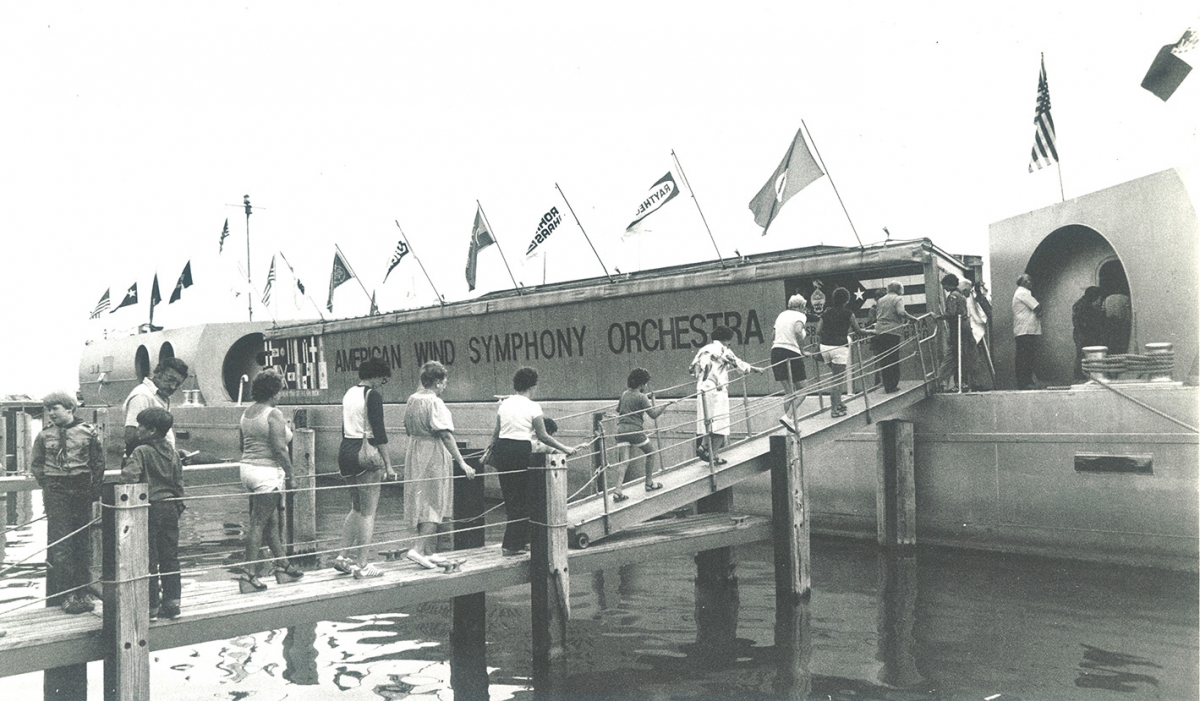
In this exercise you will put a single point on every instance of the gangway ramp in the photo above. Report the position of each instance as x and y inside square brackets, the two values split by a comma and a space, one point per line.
[597, 516]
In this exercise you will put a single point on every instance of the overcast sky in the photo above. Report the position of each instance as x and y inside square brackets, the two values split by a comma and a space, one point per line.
[132, 131]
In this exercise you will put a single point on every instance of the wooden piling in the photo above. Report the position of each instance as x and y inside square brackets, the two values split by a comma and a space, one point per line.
[716, 591]
[793, 648]
[468, 613]
[126, 592]
[302, 501]
[23, 438]
[895, 490]
[791, 532]
[548, 578]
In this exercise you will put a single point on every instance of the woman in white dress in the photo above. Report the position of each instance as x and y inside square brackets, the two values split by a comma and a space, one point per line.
[429, 464]
[711, 368]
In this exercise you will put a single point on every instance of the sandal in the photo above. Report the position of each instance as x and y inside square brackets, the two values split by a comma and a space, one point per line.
[366, 572]
[286, 575]
[249, 583]
[652, 486]
[618, 497]
[343, 565]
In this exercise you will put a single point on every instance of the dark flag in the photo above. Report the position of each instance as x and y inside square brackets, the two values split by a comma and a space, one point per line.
[130, 298]
[185, 280]
[401, 251]
[155, 296]
[103, 304]
[266, 298]
[797, 171]
[374, 306]
[481, 238]
[224, 235]
[339, 274]
[1168, 69]
[1044, 152]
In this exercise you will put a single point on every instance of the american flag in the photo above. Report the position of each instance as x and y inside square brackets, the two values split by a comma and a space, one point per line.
[102, 305]
[266, 300]
[1044, 151]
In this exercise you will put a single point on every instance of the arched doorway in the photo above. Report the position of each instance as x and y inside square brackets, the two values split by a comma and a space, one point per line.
[1065, 263]
[242, 360]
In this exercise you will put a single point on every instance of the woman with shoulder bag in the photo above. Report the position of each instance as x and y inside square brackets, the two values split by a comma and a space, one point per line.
[363, 461]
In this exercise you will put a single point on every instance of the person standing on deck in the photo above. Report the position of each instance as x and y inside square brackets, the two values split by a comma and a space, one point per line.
[979, 368]
[154, 391]
[1087, 323]
[787, 356]
[1027, 331]
[1117, 321]
[954, 313]
[837, 324]
[429, 464]
[362, 422]
[890, 318]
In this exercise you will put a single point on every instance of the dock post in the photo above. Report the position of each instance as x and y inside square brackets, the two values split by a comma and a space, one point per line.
[549, 583]
[468, 613]
[793, 647]
[302, 501]
[717, 598]
[897, 620]
[791, 533]
[126, 592]
[24, 454]
[895, 489]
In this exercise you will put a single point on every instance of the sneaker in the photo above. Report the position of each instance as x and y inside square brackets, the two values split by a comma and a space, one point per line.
[78, 604]
[169, 609]
[366, 572]
[786, 423]
[154, 611]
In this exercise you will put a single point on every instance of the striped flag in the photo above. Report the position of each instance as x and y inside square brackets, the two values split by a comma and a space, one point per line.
[1044, 151]
[102, 305]
[224, 235]
[266, 298]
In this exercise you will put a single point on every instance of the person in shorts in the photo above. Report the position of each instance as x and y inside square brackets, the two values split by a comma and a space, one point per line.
[787, 356]
[635, 404]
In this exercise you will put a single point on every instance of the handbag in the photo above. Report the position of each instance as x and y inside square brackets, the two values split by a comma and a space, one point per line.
[369, 457]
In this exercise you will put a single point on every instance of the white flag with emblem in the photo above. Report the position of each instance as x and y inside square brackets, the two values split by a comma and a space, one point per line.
[797, 171]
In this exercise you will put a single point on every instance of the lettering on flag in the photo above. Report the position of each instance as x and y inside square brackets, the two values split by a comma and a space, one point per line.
[797, 171]
[103, 304]
[546, 226]
[401, 251]
[660, 193]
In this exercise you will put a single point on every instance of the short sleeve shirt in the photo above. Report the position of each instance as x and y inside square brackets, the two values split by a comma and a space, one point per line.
[1025, 320]
[517, 413]
[630, 409]
[146, 396]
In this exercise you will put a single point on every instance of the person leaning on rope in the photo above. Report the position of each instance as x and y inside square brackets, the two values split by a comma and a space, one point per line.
[154, 391]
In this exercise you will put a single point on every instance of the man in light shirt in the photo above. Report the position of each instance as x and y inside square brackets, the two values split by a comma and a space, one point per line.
[1027, 329]
[154, 391]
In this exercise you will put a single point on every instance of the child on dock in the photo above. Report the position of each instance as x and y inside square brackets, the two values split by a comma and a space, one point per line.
[632, 408]
[156, 462]
[68, 464]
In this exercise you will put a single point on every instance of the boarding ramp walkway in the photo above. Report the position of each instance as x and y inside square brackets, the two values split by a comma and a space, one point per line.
[596, 512]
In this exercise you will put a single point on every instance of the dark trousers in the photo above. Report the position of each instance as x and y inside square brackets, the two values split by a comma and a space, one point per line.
[164, 551]
[511, 459]
[887, 353]
[1026, 359]
[68, 503]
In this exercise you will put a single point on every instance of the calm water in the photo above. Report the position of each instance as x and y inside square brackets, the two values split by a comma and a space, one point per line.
[939, 624]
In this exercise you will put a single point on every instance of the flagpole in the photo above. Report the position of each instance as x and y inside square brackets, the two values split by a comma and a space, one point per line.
[589, 240]
[830, 176]
[418, 259]
[499, 248]
[691, 192]
[352, 273]
[249, 302]
[1060, 186]
[307, 296]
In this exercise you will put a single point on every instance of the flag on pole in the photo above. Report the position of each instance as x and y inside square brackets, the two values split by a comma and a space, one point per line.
[1044, 151]
[266, 298]
[660, 193]
[797, 171]
[130, 298]
[1168, 70]
[185, 280]
[374, 306]
[224, 235]
[546, 226]
[103, 304]
[481, 238]
[401, 251]
[339, 274]
[155, 296]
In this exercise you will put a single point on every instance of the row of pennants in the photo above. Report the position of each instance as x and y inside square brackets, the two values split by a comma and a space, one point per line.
[797, 170]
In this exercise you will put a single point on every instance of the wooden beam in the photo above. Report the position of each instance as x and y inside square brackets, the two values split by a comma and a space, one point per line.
[895, 490]
[791, 532]
[548, 578]
[302, 503]
[126, 592]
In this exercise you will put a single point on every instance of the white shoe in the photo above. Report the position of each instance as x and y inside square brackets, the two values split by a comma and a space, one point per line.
[786, 423]
[420, 559]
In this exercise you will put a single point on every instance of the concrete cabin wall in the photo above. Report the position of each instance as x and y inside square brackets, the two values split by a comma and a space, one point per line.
[1149, 224]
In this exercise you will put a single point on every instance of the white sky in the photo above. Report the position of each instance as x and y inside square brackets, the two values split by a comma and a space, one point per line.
[128, 129]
